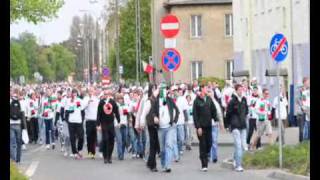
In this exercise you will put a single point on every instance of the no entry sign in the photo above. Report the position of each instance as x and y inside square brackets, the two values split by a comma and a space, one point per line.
[171, 59]
[169, 26]
[279, 47]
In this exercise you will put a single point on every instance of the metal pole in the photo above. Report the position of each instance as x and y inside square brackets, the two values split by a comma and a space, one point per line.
[117, 41]
[137, 42]
[279, 119]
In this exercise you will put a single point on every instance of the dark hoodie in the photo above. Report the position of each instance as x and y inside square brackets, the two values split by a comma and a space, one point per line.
[237, 112]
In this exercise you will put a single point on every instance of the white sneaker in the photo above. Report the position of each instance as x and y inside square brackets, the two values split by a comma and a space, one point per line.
[24, 147]
[100, 155]
[246, 149]
[65, 154]
[62, 149]
[204, 169]
[181, 152]
[239, 169]
[234, 164]
[72, 155]
[47, 146]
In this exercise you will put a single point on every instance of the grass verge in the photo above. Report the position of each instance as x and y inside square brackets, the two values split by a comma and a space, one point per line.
[15, 174]
[296, 159]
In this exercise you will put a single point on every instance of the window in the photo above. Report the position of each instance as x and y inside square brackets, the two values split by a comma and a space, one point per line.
[228, 20]
[196, 69]
[229, 69]
[196, 26]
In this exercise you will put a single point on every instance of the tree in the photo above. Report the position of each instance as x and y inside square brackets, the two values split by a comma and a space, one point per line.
[28, 42]
[34, 11]
[18, 62]
[128, 38]
[44, 66]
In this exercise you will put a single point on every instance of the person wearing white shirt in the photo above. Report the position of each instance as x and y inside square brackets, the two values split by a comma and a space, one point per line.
[283, 111]
[183, 116]
[48, 115]
[73, 116]
[121, 128]
[190, 93]
[215, 127]
[91, 103]
[32, 122]
[190, 126]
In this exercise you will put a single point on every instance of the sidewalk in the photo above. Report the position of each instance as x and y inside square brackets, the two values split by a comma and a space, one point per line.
[225, 139]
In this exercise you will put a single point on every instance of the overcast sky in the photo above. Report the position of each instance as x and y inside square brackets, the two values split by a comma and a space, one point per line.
[58, 29]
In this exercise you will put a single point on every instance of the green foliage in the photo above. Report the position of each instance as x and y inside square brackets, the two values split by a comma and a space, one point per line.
[295, 158]
[205, 80]
[34, 11]
[128, 38]
[53, 62]
[15, 174]
[18, 61]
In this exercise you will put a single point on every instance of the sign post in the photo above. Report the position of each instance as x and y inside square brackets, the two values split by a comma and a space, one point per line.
[278, 52]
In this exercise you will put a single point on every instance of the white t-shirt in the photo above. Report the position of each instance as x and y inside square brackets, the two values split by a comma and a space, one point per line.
[190, 115]
[182, 106]
[283, 107]
[164, 116]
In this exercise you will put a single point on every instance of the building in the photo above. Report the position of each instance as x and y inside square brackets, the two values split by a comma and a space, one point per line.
[255, 22]
[204, 41]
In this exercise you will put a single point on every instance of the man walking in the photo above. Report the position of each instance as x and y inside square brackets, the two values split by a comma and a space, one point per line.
[237, 112]
[204, 111]
[107, 111]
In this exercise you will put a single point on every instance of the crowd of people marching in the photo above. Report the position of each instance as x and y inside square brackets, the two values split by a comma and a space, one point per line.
[146, 122]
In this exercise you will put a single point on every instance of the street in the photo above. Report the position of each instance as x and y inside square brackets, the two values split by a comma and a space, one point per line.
[40, 164]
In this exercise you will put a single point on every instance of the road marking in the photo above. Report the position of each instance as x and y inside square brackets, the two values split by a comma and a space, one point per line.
[32, 168]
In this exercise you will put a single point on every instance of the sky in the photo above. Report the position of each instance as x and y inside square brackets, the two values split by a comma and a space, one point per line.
[57, 29]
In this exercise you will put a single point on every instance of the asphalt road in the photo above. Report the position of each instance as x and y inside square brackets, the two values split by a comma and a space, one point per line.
[41, 164]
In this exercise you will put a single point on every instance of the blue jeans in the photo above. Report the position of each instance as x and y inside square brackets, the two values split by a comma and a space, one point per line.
[238, 136]
[41, 129]
[176, 155]
[214, 147]
[306, 130]
[147, 144]
[141, 141]
[133, 140]
[121, 134]
[166, 140]
[15, 142]
[180, 136]
[49, 131]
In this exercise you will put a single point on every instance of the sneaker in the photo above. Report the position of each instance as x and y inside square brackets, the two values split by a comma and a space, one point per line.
[47, 146]
[188, 148]
[167, 170]
[72, 155]
[100, 155]
[65, 154]
[204, 169]
[181, 152]
[78, 156]
[53, 145]
[62, 149]
[234, 164]
[215, 161]
[24, 147]
[239, 169]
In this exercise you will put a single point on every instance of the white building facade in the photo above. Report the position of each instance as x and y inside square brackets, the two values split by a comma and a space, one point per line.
[255, 22]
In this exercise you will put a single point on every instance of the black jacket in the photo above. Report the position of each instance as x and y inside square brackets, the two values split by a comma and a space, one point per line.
[203, 112]
[237, 113]
[104, 119]
[154, 112]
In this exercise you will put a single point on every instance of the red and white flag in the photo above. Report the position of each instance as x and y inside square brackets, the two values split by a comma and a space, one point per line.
[147, 67]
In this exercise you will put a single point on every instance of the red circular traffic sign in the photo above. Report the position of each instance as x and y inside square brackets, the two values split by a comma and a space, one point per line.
[169, 26]
[171, 59]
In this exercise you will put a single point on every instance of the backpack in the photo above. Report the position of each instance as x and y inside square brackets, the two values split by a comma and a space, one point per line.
[15, 110]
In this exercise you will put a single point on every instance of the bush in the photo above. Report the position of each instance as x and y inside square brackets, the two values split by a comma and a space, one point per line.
[15, 174]
[295, 158]
[205, 80]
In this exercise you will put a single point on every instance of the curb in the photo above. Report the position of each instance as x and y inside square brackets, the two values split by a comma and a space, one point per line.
[278, 174]
[222, 144]
[287, 176]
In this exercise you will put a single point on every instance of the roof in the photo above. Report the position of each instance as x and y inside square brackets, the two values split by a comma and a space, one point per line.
[196, 2]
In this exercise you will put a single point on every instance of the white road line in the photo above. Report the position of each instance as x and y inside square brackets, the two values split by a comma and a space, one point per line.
[32, 168]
